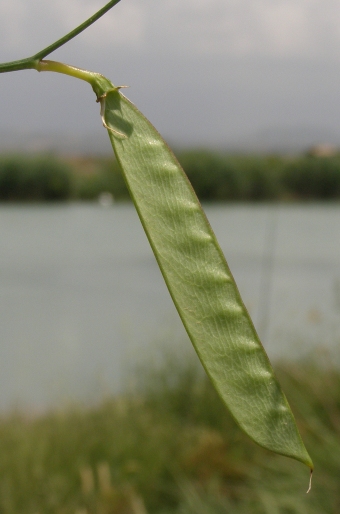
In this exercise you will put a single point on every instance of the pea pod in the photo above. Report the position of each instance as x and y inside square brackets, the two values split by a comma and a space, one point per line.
[199, 280]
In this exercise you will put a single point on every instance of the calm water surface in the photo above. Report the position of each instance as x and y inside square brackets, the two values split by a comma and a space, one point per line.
[82, 299]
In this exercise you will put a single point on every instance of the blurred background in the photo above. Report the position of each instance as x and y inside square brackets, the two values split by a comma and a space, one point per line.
[233, 75]
[104, 408]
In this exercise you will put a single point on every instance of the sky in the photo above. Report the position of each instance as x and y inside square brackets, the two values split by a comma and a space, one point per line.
[218, 73]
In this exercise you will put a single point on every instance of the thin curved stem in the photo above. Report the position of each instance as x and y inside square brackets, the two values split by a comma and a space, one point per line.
[99, 83]
[32, 62]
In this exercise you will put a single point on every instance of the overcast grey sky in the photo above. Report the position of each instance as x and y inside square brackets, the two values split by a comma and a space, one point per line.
[208, 72]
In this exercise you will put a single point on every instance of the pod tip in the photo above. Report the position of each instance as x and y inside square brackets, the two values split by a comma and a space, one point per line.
[310, 481]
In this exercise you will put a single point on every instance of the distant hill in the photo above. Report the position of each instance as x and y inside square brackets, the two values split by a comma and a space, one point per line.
[275, 139]
[286, 140]
[59, 143]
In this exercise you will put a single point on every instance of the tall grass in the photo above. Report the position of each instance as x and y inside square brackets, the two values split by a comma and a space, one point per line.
[170, 447]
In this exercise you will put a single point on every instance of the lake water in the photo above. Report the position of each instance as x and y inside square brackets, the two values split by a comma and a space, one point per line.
[82, 300]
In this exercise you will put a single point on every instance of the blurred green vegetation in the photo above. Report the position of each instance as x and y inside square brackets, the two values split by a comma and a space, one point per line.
[51, 178]
[215, 177]
[168, 446]
[41, 178]
[221, 177]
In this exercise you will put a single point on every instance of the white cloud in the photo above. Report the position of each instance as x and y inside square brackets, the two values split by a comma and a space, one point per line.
[276, 28]
[124, 27]
[36, 23]
[284, 25]
[279, 28]
[12, 19]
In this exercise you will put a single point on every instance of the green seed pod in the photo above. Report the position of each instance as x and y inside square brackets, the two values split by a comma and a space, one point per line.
[199, 280]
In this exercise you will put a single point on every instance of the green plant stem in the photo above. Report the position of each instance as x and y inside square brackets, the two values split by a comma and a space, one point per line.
[33, 62]
[99, 83]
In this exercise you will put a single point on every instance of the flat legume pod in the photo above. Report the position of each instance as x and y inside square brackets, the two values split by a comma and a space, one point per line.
[200, 282]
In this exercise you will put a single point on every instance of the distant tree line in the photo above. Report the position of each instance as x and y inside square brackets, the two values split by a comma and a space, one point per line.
[262, 178]
[33, 178]
[214, 176]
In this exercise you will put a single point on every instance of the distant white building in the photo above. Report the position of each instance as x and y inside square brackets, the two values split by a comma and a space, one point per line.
[323, 150]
